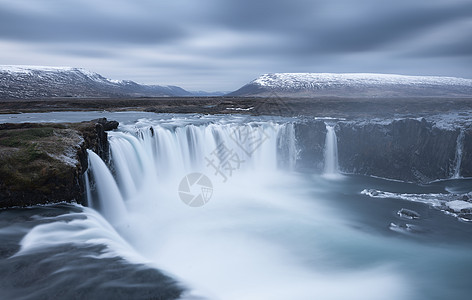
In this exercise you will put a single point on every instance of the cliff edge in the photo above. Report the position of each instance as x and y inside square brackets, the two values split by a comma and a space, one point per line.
[44, 163]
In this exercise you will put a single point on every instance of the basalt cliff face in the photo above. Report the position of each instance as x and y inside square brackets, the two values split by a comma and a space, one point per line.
[409, 150]
[44, 163]
[414, 150]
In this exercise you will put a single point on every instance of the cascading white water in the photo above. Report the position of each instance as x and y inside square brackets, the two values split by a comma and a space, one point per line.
[235, 246]
[150, 162]
[88, 193]
[113, 208]
[331, 153]
[458, 158]
[287, 147]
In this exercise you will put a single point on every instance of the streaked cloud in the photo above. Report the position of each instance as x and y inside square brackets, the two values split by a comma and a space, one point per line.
[219, 45]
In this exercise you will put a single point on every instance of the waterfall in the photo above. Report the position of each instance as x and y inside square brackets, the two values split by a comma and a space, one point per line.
[458, 157]
[287, 147]
[331, 153]
[88, 192]
[148, 162]
[243, 229]
[113, 208]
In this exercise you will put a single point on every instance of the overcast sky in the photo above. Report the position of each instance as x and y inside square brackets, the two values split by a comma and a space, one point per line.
[223, 44]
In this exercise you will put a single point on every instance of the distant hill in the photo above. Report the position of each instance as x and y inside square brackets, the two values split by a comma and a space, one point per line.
[355, 85]
[30, 82]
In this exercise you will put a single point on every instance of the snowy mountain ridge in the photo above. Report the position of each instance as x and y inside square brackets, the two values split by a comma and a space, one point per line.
[302, 80]
[32, 70]
[355, 85]
[27, 82]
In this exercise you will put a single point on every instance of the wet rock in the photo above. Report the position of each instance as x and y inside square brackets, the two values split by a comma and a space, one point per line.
[372, 192]
[408, 214]
[465, 217]
[107, 125]
[405, 228]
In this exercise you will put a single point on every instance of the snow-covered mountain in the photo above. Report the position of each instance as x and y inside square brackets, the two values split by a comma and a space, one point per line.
[355, 85]
[28, 82]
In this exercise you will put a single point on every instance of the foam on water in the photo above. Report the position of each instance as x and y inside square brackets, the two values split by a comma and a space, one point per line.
[85, 228]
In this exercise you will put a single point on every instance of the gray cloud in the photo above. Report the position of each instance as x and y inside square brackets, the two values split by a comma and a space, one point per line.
[85, 26]
[82, 52]
[389, 27]
[167, 41]
[461, 49]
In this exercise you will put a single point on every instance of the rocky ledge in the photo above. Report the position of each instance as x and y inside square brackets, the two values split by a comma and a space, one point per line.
[44, 163]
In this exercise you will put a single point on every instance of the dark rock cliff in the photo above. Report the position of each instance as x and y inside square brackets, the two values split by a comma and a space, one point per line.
[407, 149]
[45, 163]
[466, 162]
[310, 138]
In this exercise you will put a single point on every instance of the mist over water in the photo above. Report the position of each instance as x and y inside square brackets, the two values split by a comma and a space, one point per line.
[234, 247]
[266, 232]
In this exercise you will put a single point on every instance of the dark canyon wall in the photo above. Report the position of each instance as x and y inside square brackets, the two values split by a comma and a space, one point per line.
[407, 149]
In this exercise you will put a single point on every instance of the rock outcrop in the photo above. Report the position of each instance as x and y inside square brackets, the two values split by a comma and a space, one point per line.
[44, 163]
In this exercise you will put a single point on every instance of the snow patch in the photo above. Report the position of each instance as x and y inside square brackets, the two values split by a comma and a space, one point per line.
[30, 69]
[239, 108]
